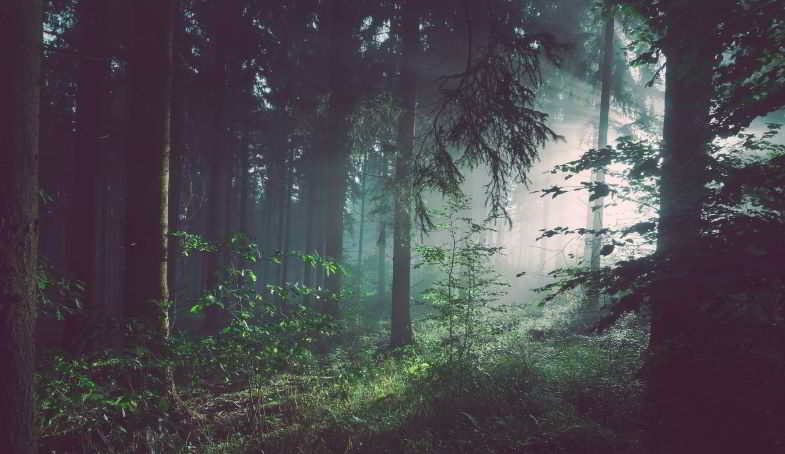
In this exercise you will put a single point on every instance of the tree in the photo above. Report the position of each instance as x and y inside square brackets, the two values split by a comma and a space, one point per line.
[596, 204]
[338, 138]
[20, 42]
[90, 125]
[400, 321]
[151, 72]
[711, 384]
[220, 167]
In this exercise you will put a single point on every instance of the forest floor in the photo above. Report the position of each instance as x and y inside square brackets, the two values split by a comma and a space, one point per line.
[521, 388]
[558, 394]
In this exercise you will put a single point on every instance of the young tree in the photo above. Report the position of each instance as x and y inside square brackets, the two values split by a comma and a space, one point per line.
[150, 70]
[20, 43]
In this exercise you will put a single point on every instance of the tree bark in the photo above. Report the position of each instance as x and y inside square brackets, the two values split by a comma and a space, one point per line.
[177, 158]
[381, 236]
[337, 142]
[91, 131]
[679, 378]
[400, 321]
[20, 81]
[147, 221]
[220, 179]
[596, 207]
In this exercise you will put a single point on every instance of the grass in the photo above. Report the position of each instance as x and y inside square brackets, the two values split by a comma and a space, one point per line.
[565, 394]
[560, 393]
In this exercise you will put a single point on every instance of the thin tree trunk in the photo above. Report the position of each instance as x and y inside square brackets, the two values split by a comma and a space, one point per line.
[20, 45]
[361, 235]
[150, 69]
[286, 215]
[245, 186]
[400, 322]
[312, 209]
[177, 158]
[381, 239]
[594, 241]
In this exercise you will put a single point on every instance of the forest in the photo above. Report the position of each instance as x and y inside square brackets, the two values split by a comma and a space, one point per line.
[392, 226]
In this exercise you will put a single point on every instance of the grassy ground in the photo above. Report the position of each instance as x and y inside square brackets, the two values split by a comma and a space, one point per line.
[559, 394]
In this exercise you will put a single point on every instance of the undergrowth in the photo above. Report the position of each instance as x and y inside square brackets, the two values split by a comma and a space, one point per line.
[565, 394]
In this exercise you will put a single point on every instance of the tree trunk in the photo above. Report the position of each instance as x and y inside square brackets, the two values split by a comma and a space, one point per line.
[83, 219]
[596, 207]
[337, 142]
[286, 223]
[177, 158]
[219, 182]
[150, 70]
[361, 227]
[682, 391]
[381, 264]
[381, 235]
[20, 81]
[400, 321]
[245, 186]
[313, 186]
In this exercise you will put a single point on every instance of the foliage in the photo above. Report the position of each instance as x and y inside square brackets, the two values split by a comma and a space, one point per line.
[106, 400]
[468, 286]
[58, 297]
[742, 225]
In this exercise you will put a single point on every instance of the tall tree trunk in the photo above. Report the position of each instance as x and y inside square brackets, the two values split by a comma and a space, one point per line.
[244, 175]
[682, 392]
[219, 181]
[361, 235]
[177, 158]
[381, 233]
[596, 206]
[286, 216]
[337, 142]
[381, 263]
[83, 219]
[312, 186]
[150, 69]
[400, 322]
[20, 82]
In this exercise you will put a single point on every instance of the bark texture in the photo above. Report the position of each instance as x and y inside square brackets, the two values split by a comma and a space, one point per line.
[20, 44]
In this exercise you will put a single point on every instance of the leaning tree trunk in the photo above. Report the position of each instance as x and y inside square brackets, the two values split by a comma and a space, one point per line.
[400, 321]
[20, 45]
[150, 70]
